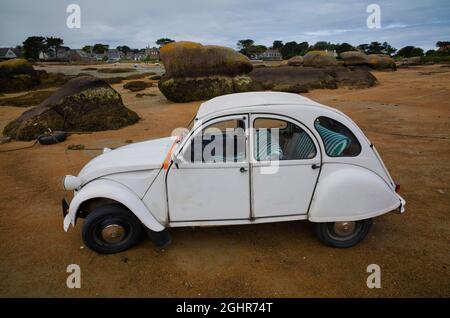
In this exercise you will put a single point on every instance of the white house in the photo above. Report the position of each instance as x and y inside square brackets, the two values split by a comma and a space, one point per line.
[7, 53]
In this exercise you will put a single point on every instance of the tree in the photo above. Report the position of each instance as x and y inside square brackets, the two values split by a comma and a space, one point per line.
[375, 48]
[430, 52]
[163, 41]
[363, 47]
[441, 44]
[124, 49]
[444, 48]
[53, 45]
[244, 46]
[277, 45]
[323, 45]
[344, 47]
[33, 46]
[256, 49]
[388, 49]
[410, 51]
[87, 48]
[291, 49]
[100, 48]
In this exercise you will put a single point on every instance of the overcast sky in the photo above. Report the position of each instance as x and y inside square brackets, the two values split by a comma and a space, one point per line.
[138, 23]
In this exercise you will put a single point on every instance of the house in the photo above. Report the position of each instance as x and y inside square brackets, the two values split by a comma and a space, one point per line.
[61, 54]
[270, 55]
[80, 55]
[113, 55]
[7, 53]
[139, 56]
[152, 53]
[100, 57]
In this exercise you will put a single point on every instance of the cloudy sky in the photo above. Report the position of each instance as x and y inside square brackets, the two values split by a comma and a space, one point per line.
[138, 23]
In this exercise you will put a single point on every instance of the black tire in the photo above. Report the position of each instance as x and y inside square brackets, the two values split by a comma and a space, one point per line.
[326, 232]
[54, 138]
[115, 218]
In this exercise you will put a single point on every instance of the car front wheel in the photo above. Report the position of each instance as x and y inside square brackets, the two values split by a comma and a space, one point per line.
[343, 234]
[111, 229]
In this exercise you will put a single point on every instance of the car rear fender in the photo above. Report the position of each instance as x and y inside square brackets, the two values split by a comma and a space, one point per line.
[347, 192]
[113, 190]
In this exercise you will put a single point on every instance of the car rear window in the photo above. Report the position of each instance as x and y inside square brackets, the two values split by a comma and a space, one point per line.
[338, 140]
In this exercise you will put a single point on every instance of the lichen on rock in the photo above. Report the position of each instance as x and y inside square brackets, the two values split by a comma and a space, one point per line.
[83, 104]
[197, 72]
[319, 59]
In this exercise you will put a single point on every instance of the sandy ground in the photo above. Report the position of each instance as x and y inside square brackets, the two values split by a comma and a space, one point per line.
[407, 117]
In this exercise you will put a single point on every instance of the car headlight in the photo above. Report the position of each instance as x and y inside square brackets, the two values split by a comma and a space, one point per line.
[71, 182]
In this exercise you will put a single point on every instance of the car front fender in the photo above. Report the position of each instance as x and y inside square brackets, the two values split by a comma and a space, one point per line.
[108, 189]
[351, 193]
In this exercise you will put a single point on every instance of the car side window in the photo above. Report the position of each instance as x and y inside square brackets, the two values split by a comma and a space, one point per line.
[223, 141]
[276, 139]
[338, 140]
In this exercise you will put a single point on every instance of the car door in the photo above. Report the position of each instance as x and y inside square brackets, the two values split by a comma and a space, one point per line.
[285, 166]
[212, 179]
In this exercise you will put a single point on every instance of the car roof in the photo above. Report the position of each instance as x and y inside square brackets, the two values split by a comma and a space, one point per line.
[240, 100]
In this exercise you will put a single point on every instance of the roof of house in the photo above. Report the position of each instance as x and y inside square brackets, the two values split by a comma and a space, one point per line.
[4, 51]
[82, 53]
[113, 54]
[239, 100]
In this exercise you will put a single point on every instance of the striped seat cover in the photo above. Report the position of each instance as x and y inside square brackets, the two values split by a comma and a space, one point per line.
[302, 146]
[335, 143]
[266, 148]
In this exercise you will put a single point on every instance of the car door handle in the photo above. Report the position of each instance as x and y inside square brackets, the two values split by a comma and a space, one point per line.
[315, 166]
[243, 170]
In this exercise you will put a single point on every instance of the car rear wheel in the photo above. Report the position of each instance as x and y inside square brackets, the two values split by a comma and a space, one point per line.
[111, 229]
[343, 234]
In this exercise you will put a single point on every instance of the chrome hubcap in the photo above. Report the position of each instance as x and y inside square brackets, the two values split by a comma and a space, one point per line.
[344, 228]
[113, 233]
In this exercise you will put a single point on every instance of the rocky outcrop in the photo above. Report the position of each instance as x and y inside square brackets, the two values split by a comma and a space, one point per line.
[18, 75]
[203, 88]
[83, 104]
[295, 61]
[381, 62]
[197, 72]
[352, 58]
[319, 59]
[411, 61]
[136, 86]
[302, 79]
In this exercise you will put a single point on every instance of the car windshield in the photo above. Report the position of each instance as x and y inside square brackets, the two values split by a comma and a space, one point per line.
[191, 123]
[182, 132]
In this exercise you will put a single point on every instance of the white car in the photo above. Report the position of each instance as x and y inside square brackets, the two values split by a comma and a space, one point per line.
[249, 158]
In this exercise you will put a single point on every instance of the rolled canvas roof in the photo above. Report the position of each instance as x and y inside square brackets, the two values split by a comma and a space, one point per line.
[239, 100]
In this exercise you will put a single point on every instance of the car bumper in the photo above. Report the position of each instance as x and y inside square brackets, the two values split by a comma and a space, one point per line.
[401, 208]
[66, 216]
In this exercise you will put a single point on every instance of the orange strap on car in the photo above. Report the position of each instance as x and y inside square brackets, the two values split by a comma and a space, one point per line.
[166, 162]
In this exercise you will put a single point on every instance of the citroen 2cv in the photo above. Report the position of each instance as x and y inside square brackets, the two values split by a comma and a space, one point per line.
[248, 158]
